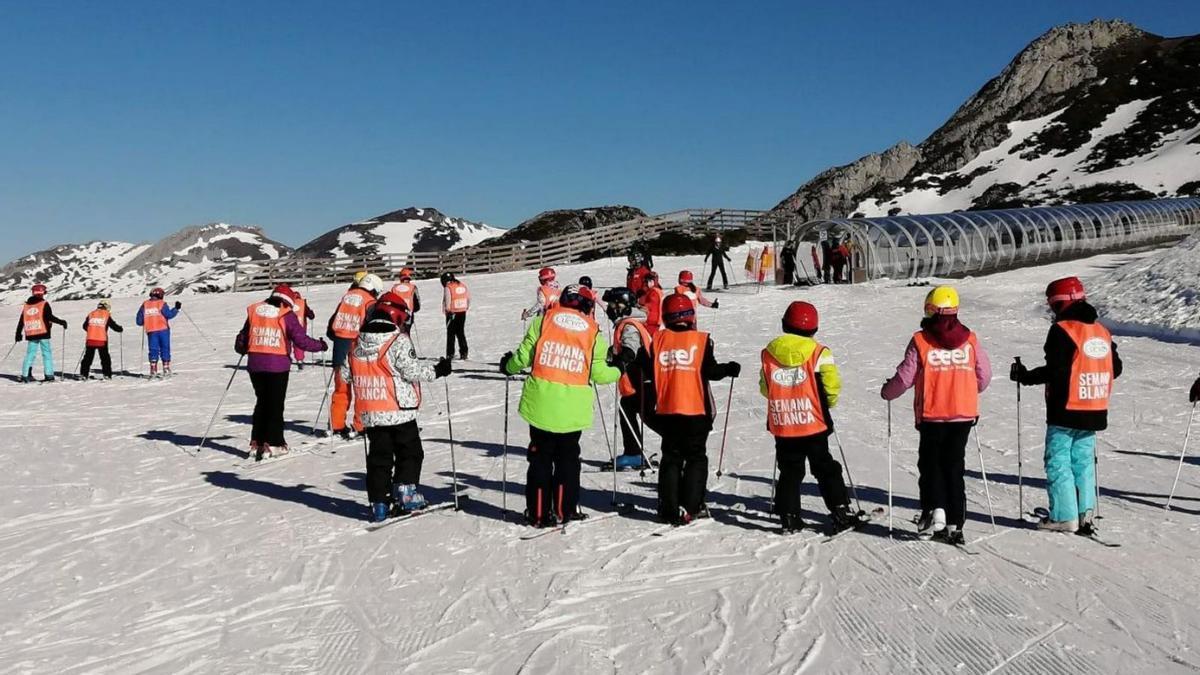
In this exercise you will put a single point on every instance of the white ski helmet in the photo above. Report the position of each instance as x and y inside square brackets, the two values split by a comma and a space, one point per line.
[371, 283]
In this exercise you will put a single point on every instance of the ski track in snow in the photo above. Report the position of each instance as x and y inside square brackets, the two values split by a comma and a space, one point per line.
[120, 553]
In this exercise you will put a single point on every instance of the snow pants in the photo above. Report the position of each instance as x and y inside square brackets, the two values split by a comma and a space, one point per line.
[159, 343]
[339, 403]
[552, 480]
[89, 354]
[270, 393]
[1070, 472]
[32, 349]
[456, 325]
[631, 430]
[717, 267]
[394, 457]
[790, 453]
[683, 470]
[941, 458]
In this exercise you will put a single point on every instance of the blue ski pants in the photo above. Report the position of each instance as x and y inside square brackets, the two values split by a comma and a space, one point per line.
[1070, 472]
[160, 345]
[32, 347]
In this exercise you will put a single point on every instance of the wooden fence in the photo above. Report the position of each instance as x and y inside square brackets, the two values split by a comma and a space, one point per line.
[611, 239]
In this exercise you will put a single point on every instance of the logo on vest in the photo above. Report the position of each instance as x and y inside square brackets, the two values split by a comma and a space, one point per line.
[949, 358]
[352, 299]
[267, 311]
[677, 358]
[32, 311]
[1095, 348]
[97, 321]
[571, 322]
[789, 377]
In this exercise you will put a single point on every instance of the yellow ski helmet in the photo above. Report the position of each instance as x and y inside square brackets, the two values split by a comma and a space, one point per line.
[358, 276]
[941, 300]
[104, 304]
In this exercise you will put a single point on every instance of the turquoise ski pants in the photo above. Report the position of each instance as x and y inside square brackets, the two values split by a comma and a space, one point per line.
[32, 348]
[1070, 472]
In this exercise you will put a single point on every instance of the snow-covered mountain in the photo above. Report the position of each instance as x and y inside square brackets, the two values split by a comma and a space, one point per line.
[411, 229]
[194, 260]
[1087, 112]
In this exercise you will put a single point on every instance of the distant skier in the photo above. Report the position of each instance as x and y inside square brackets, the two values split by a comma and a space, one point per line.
[720, 255]
[267, 337]
[1081, 365]
[566, 352]
[546, 296]
[95, 330]
[631, 355]
[406, 289]
[585, 287]
[385, 374]
[801, 383]
[635, 279]
[344, 325]
[683, 365]
[949, 369]
[816, 261]
[788, 257]
[456, 301]
[651, 300]
[687, 286]
[827, 257]
[154, 316]
[33, 326]
[304, 312]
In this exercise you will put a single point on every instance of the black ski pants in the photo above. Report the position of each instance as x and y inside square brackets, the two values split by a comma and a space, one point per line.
[552, 480]
[683, 470]
[456, 325]
[394, 457]
[940, 460]
[270, 393]
[631, 428]
[718, 266]
[85, 367]
[790, 453]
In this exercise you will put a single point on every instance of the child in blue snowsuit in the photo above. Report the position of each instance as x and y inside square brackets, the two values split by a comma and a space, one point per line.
[154, 315]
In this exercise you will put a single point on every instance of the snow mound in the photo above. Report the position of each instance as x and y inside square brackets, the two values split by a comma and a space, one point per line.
[1156, 295]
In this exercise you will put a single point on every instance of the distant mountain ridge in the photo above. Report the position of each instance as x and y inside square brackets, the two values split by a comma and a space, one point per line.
[396, 232]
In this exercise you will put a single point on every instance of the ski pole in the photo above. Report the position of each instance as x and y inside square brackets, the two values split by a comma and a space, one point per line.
[846, 465]
[774, 474]
[232, 375]
[1020, 462]
[324, 397]
[504, 461]
[64, 353]
[889, 454]
[145, 357]
[617, 412]
[983, 472]
[1096, 475]
[1186, 437]
[123, 371]
[189, 318]
[607, 440]
[8, 353]
[725, 431]
[450, 429]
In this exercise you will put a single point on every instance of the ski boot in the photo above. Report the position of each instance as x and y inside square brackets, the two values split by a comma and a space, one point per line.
[1087, 524]
[346, 434]
[790, 524]
[407, 499]
[683, 518]
[955, 537]
[379, 512]
[462, 356]
[630, 463]
[539, 523]
[256, 451]
[930, 524]
[48, 378]
[844, 519]
[166, 369]
[154, 370]
[1069, 526]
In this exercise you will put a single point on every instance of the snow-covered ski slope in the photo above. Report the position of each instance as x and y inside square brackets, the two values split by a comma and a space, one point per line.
[120, 553]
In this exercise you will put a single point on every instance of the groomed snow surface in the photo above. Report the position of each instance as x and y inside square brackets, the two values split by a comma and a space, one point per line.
[120, 553]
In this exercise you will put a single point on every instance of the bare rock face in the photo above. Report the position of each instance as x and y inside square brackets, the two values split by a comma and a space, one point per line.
[836, 191]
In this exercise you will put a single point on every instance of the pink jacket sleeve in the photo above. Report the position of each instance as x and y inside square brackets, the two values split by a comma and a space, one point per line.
[983, 368]
[906, 374]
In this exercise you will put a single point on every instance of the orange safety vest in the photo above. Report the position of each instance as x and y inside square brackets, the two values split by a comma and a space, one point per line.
[350, 313]
[547, 296]
[153, 320]
[268, 332]
[33, 318]
[563, 353]
[625, 384]
[375, 383]
[97, 327]
[406, 290]
[460, 297]
[1092, 367]
[946, 387]
[653, 301]
[678, 382]
[793, 397]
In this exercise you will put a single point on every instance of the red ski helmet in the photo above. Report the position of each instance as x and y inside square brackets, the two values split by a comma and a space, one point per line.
[392, 307]
[678, 309]
[1063, 293]
[547, 274]
[574, 297]
[406, 274]
[800, 318]
[286, 294]
[686, 277]
[38, 289]
[157, 293]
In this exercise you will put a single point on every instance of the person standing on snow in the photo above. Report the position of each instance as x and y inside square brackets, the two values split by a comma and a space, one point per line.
[788, 255]
[566, 353]
[267, 337]
[801, 383]
[33, 326]
[386, 377]
[1081, 364]
[343, 329]
[95, 330]
[155, 316]
[682, 366]
[719, 254]
[687, 286]
[949, 370]
[651, 300]
[407, 291]
[304, 312]
[456, 300]
[816, 261]
[631, 355]
[546, 296]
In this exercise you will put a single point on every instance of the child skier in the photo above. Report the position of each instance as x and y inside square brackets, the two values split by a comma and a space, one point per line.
[687, 286]
[1081, 364]
[598, 306]
[456, 301]
[304, 312]
[566, 353]
[154, 316]
[33, 326]
[95, 330]
[683, 365]
[949, 369]
[631, 355]
[271, 329]
[407, 290]
[546, 296]
[801, 383]
[651, 301]
[385, 374]
[344, 325]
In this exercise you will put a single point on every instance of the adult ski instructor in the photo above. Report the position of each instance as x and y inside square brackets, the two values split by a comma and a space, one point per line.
[566, 353]
[720, 255]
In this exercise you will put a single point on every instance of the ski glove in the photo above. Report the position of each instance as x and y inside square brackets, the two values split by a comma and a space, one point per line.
[504, 362]
[733, 369]
[324, 345]
[716, 304]
[1194, 396]
[178, 305]
[1017, 372]
[621, 359]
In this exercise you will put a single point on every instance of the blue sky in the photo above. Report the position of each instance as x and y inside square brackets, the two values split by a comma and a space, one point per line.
[131, 120]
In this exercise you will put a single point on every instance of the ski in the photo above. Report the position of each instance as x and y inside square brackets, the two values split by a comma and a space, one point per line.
[1039, 514]
[570, 525]
[1096, 538]
[251, 464]
[409, 516]
[864, 517]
